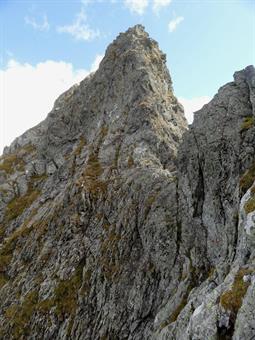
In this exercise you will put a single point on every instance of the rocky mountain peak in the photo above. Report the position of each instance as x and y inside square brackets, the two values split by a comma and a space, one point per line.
[132, 85]
[246, 74]
[119, 222]
[135, 41]
[134, 63]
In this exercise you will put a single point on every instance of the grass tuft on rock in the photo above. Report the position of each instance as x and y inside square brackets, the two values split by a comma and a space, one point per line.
[80, 147]
[232, 299]
[66, 292]
[12, 162]
[16, 207]
[248, 122]
[247, 179]
[18, 204]
[19, 316]
[93, 183]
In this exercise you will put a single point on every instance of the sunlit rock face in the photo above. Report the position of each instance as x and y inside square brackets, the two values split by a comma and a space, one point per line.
[117, 222]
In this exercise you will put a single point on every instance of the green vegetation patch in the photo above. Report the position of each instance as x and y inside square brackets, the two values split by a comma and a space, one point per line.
[11, 162]
[14, 161]
[6, 252]
[18, 204]
[131, 162]
[173, 317]
[248, 122]
[65, 295]
[28, 149]
[19, 315]
[250, 205]
[64, 301]
[9, 245]
[80, 146]
[16, 207]
[248, 178]
[93, 170]
[232, 299]
[92, 174]
[109, 261]
[3, 280]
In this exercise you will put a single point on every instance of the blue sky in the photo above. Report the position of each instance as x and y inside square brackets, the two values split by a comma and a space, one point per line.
[205, 43]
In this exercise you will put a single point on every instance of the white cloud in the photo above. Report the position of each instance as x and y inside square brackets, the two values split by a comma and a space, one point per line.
[80, 29]
[158, 4]
[174, 23]
[96, 62]
[192, 105]
[137, 6]
[43, 26]
[27, 93]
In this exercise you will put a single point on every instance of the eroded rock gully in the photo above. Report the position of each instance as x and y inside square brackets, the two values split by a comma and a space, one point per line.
[117, 221]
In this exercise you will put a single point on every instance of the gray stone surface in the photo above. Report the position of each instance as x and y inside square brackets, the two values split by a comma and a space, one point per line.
[119, 222]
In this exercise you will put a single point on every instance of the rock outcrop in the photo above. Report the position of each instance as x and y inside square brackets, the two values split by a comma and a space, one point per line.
[216, 174]
[119, 222]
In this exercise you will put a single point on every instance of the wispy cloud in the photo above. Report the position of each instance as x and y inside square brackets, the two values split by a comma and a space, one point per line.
[80, 29]
[159, 4]
[39, 26]
[174, 23]
[136, 6]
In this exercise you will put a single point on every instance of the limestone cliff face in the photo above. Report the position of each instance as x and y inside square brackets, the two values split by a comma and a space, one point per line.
[119, 222]
[216, 174]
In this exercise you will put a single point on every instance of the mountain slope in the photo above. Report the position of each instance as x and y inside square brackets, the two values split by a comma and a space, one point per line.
[90, 232]
[119, 222]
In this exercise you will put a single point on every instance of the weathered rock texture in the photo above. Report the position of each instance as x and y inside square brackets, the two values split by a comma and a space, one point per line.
[216, 172]
[119, 222]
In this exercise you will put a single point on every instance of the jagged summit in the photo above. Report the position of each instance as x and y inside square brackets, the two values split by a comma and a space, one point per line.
[131, 92]
[117, 222]
[84, 194]
[247, 73]
[135, 41]
[134, 38]
[132, 72]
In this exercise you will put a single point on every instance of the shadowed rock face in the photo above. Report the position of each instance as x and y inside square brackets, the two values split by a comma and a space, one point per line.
[216, 172]
[117, 222]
